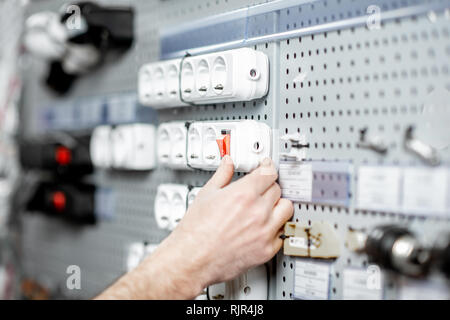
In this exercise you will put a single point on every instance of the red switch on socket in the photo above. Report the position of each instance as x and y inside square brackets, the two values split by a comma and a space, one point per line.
[59, 201]
[224, 144]
[63, 156]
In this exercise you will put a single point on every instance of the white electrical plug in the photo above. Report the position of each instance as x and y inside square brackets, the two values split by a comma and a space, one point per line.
[170, 205]
[247, 142]
[171, 145]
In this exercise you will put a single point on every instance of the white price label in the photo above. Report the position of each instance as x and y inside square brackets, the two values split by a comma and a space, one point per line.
[425, 190]
[296, 181]
[431, 289]
[298, 242]
[362, 284]
[311, 280]
[379, 188]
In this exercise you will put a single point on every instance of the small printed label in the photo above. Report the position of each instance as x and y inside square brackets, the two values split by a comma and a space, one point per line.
[431, 289]
[379, 188]
[298, 242]
[311, 280]
[425, 190]
[362, 284]
[296, 181]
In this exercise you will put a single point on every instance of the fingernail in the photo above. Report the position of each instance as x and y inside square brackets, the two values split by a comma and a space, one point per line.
[267, 162]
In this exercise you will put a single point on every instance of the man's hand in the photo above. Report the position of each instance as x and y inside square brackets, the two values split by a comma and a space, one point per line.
[229, 228]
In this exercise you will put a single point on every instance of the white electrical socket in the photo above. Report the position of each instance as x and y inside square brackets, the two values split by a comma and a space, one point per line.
[158, 84]
[171, 145]
[227, 76]
[219, 291]
[233, 75]
[192, 195]
[143, 147]
[122, 146]
[251, 285]
[194, 145]
[127, 147]
[100, 147]
[249, 143]
[136, 252]
[170, 205]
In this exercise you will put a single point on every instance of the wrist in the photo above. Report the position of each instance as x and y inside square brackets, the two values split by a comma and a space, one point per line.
[174, 272]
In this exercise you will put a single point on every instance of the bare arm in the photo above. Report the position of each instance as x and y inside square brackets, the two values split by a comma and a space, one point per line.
[229, 228]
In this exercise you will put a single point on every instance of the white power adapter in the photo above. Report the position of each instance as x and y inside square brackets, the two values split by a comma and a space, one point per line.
[247, 142]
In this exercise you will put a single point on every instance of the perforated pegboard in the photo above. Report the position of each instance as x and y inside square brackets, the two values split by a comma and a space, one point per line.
[356, 79]
[350, 84]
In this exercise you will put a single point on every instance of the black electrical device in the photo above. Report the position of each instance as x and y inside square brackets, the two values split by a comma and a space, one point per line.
[396, 248]
[64, 157]
[105, 30]
[74, 203]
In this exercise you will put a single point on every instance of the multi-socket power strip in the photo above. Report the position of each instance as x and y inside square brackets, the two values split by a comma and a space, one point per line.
[181, 145]
[202, 145]
[128, 147]
[227, 76]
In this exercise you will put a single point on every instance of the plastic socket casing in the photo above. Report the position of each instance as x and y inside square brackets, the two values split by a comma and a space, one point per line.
[100, 147]
[192, 195]
[170, 205]
[158, 84]
[126, 147]
[234, 75]
[227, 76]
[171, 145]
[251, 285]
[138, 251]
[250, 142]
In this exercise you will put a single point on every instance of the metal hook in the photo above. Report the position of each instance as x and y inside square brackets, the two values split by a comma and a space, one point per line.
[373, 143]
[424, 151]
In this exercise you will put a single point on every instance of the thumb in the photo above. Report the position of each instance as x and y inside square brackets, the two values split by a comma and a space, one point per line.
[223, 174]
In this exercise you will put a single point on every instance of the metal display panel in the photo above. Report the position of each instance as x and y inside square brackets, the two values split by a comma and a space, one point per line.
[326, 84]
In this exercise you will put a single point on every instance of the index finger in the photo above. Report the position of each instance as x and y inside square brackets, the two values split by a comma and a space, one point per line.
[261, 178]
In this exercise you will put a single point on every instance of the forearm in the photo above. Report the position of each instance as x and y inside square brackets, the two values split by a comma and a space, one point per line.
[166, 274]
